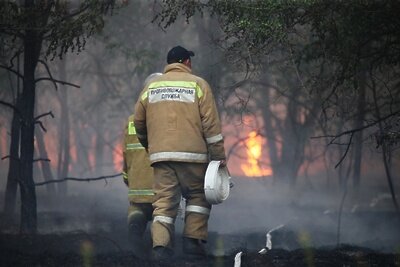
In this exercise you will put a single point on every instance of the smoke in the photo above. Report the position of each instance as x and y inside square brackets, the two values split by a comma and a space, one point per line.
[98, 111]
[256, 207]
[294, 218]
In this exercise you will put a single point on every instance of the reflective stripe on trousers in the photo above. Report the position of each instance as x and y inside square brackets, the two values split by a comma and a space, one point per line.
[163, 219]
[198, 209]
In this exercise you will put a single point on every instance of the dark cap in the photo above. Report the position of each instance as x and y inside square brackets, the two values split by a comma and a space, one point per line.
[178, 54]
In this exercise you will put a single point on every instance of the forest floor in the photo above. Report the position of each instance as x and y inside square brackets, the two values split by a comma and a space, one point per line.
[77, 249]
[109, 247]
[90, 230]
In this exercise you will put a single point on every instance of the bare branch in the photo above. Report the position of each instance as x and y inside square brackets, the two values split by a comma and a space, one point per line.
[236, 144]
[49, 72]
[41, 159]
[11, 106]
[41, 126]
[9, 157]
[36, 119]
[79, 179]
[345, 153]
[352, 131]
[43, 115]
[12, 31]
[19, 75]
[56, 81]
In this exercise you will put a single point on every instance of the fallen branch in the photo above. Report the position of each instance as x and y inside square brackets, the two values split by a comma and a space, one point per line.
[78, 179]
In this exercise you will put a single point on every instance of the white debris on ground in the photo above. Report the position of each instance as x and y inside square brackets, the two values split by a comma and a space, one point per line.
[328, 211]
[238, 259]
[380, 198]
[354, 208]
[263, 251]
[268, 245]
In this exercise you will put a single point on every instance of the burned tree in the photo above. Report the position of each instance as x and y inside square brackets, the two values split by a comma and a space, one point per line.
[41, 31]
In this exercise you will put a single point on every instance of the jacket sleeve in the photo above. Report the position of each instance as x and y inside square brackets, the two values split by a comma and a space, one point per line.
[211, 123]
[125, 166]
[140, 120]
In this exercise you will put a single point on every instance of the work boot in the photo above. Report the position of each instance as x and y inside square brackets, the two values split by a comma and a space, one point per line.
[137, 223]
[160, 253]
[136, 226]
[194, 248]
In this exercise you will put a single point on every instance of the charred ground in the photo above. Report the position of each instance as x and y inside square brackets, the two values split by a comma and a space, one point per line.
[75, 249]
[90, 230]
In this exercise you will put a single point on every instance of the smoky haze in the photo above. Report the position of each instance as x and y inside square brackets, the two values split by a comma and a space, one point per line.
[110, 73]
[255, 206]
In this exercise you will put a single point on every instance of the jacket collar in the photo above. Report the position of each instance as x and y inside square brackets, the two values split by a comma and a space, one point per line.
[177, 67]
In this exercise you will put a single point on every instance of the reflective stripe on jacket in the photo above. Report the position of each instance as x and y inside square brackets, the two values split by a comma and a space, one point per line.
[137, 169]
[177, 117]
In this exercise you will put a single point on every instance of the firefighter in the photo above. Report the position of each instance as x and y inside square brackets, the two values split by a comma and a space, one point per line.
[176, 118]
[138, 176]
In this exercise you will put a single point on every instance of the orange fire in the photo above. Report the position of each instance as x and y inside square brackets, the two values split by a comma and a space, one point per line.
[252, 167]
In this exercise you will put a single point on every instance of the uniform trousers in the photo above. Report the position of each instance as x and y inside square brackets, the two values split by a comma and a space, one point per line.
[172, 180]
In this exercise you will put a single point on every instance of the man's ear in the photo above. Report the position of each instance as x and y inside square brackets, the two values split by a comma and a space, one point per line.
[188, 62]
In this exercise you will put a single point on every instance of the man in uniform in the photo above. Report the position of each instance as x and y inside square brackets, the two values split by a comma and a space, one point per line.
[176, 119]
[138, 176]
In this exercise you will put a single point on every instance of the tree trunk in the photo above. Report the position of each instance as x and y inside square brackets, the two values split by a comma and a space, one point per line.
[32, 46]
[293, 140]
[98, 157]
[340, 150]
[288, 154]
[384, 150]
[358, 142]
[45, 165]
[14, 164]
[64, 140]
[268, 120]
[294, 134]
[27, 186]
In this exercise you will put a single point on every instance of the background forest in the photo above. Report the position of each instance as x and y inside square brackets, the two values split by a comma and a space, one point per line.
[308, 93]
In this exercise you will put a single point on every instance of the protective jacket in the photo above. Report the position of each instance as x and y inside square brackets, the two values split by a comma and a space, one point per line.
[137, 172]
[178, 111]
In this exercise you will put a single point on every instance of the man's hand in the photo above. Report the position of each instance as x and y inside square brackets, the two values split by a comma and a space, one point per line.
[222, 163]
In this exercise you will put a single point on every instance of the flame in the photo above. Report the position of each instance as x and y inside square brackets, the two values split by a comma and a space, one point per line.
[254, 143]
